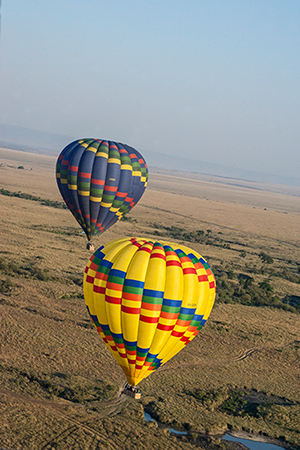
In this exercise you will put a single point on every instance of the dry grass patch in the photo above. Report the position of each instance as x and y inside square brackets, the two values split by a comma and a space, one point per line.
[59, 381]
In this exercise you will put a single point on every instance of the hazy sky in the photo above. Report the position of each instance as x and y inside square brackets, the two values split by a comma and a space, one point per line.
[214, 80]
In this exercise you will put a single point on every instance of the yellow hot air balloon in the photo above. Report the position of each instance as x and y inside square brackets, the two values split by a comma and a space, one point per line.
[147, 299]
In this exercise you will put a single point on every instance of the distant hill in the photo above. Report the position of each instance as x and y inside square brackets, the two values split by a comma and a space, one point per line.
[19, 138]
[163, 161]
[26, 139]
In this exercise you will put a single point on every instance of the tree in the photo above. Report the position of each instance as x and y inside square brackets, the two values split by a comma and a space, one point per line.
[265, 285]
[266, 258]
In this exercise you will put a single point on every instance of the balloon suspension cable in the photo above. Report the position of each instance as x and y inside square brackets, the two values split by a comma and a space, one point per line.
[90, 246]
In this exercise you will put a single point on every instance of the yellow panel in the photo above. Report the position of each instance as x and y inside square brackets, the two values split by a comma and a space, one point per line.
[126, 167]
[173, 291]
[121, 260]
[102, 155]
[137, 271]
[114, 161]
[190, 300]
[114, 317]
[125, 257]
[95, 199]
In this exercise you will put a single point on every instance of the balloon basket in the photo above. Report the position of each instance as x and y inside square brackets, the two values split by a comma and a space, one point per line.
[132, 391]
[90, 246]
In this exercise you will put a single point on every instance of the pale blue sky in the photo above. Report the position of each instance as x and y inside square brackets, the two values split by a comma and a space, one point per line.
[214, 80]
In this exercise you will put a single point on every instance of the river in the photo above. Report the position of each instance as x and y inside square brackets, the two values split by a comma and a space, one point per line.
[250, 443]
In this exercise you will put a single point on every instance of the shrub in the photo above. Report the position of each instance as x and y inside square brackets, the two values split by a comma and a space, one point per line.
[266, 258]
[265, 285]
[6, 286]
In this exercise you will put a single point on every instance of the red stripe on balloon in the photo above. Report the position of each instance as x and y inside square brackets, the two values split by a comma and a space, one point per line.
[145, 249]
[84, 174]
[121, 194]
[188, 270]
[173, 262]
[111, 188]
[129, 310]
[113, 300]
[89, 279]
[157, 255]
[202, 278]
[99, 289]
[98, 182]
[177, 333]
[149, 319]
[162, 327]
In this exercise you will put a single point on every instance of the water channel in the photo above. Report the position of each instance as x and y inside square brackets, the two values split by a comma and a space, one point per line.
[250, 443]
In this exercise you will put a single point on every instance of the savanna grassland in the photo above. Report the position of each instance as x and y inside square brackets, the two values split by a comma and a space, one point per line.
[60, 387]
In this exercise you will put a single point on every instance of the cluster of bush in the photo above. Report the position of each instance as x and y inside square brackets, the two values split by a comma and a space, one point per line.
[181, 234]
[12, 268]
[197, 236]
[7, 286]
[241, 288]
[67, 386]
[236, 402]
[46, 202]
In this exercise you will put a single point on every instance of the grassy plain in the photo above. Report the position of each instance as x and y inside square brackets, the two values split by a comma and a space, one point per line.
[59, 384]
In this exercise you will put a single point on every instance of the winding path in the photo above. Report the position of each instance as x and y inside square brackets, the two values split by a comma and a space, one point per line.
[244, 355]
[60, 407]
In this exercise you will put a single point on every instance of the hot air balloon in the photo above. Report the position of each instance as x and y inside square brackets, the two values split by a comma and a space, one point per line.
[100, 181]
[147, 299]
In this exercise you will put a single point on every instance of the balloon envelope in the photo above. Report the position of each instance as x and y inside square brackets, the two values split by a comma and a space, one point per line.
[147, 299]
[100, 181]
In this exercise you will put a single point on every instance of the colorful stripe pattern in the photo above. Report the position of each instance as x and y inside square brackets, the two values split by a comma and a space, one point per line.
[148, 300]
[100, 181]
